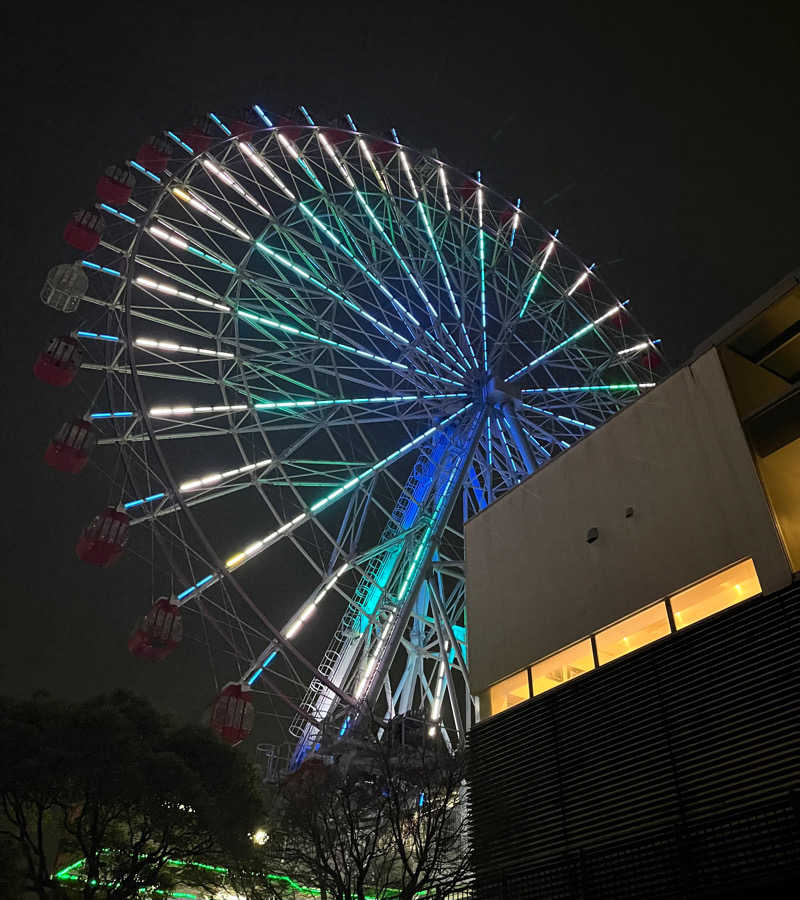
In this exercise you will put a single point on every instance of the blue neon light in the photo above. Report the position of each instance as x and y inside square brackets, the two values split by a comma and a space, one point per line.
[116, 212]
[133, 164]
[254, 677]
[149, 499]
[350, 122]
[111, 415]
[179, 142]
[104, 269]
[546, 412]
[308, 118]
[95, 336]
[262, 115]
[216, 121]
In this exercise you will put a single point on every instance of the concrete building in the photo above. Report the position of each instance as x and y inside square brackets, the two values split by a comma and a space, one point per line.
[671, 531]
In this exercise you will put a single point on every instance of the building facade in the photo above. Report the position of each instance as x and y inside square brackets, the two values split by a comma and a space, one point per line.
[633, 616]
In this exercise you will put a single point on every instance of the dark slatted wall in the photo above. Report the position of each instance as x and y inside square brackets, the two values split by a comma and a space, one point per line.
[704, 723]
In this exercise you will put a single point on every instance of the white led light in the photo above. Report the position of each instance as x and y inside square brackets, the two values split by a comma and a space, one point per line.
[443, 180]
[209, 211]
[634, 349]
[160, 287]
[169, 346]
[265, 167]
[228, 179]
[577, 284]
[216, 477]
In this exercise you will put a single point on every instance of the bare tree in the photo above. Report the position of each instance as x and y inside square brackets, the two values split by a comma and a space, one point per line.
[383, 818]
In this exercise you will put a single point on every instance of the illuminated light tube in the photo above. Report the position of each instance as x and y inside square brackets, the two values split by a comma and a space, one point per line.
[132, 503]
[407, 169]
[365, 150]
[117, 213]
[578, 282]
[635, 349]
[443, 181]
[193, 201]
[350, 122]
[112, 415]
[552, 415]
[174, 137]
[104, 269]
[263, 116]
[308, 118]
[216, 120]
[169, 411]
[135, 165]
[158, 232]
[294, 153]
[481, 253]
[590, 387]
[162, 288]
[228, 179]
[169, 346]
[265, 167]
[509, 454]
[202, 583]
[573, 337]
[93, 335]
[515, 224]
[215, 477]
[535, 282]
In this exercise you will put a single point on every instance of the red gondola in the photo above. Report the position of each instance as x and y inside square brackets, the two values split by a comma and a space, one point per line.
[154, 154]
[103, 540]
[382, 149]
[467, 190]
[58, 364]
[336, 136]
[116, 185]
[84, 230]
[70, 448]
[200, 135]
[233, 713]
[159, 632]
[289, 128]
[245, 124]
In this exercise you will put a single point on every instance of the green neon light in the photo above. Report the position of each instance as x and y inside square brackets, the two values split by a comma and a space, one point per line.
[222, 870]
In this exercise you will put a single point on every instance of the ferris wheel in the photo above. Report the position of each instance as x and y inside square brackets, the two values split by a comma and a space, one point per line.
[309, 342]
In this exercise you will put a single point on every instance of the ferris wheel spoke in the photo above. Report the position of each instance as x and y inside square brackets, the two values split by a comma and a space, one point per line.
[405, 227]
[258, 546]
[345, 297]
[375, 222]
[169, 412]
[583, 330]
[273, 326]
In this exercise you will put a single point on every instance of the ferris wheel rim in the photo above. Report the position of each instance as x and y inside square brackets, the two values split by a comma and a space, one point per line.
[183, 173]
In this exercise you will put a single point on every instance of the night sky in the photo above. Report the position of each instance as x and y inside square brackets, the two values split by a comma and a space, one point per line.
[664, 147]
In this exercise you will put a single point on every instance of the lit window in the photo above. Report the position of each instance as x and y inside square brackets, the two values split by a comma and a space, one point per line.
[506, 694]
[632, 633]
[715, 593]
[563, 666]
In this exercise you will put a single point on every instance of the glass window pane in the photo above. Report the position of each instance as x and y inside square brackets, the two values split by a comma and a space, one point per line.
[507, 693]
[715, 593]
[632, 633]
[560, 667]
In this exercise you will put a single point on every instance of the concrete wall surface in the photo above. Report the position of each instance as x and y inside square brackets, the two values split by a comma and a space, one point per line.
[679, 458]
